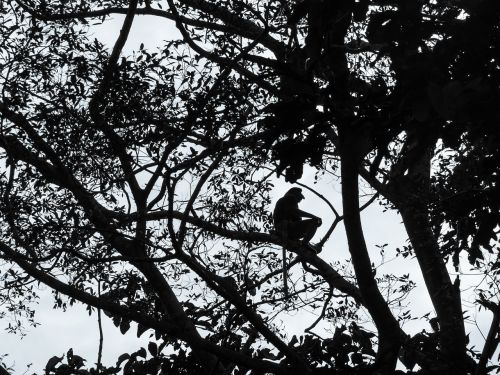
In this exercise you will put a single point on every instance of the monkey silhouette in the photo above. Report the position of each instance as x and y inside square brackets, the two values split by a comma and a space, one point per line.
[288, 220]
[289, 224]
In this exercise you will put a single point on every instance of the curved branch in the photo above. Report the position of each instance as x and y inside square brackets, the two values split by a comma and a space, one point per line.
[238, 26]
[216, 58]
[98, 102]
[250, 29]
[331, 276]
[320, 196]
[322, 315]
[387, 326]
[165, 326]
[228, 292]
[84, 297]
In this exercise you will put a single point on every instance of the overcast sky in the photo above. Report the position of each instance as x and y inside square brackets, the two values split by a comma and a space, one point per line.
[59, 331]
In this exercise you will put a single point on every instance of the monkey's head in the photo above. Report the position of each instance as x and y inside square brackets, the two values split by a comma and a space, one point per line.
[296, 193]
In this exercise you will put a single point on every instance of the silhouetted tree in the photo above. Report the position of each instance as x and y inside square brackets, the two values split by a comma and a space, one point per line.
[139, 184]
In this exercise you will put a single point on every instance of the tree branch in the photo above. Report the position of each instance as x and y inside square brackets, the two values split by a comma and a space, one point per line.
[166, 326]
[84, 297]
[98, 103]
[241, 27]
[491, 342]
[215, 57]
[333, 278]
[387, 326]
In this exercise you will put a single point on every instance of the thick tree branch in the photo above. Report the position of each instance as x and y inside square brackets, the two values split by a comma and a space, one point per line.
[492, 341]
[101, 303]
[333, 278]
[38, 142]
[166, 326]
[176, 313]
[238, 26]
[227, 291]
[94, 210]
[252, 31]
[387, 326]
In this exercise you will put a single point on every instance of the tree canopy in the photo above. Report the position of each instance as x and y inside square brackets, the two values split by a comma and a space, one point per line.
[139, 184]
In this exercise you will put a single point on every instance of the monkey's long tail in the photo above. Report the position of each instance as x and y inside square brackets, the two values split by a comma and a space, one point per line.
[285, 274]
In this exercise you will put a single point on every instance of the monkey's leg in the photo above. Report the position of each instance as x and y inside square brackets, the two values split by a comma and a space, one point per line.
[309, 227]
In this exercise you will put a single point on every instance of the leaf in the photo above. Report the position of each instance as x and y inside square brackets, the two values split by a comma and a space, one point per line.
[141, 353]
[51, 364]
[153, 348]
[141, 329]
[112, 370]
[124, 326]
[64, 369]
[122, 358]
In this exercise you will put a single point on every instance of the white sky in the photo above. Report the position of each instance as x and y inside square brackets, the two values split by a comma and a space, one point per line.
[59, 331]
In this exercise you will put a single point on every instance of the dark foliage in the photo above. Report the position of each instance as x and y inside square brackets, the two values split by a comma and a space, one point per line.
[139, 184]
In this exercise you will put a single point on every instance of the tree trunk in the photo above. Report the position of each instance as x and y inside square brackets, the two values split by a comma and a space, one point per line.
[445, 298]
[387, 325]
[412, 202]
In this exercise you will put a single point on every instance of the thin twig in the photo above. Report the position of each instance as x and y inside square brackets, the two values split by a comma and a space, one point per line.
[320, 196]
[323, 311]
